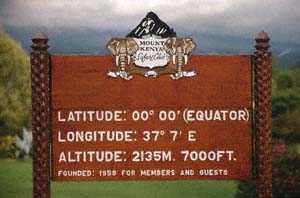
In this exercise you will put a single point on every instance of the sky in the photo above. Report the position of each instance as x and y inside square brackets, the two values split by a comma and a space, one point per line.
[241, 17]
[221, 18]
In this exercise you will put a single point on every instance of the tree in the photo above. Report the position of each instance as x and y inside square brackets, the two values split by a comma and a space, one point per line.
[296, 74]
[285, 81]
[286, 104]
[14, 87]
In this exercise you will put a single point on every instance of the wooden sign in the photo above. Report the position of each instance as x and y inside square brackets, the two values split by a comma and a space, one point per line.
[151, 128]
[152, 111]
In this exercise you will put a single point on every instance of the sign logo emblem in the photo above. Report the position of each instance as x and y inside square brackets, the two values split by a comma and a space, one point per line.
[155, 50]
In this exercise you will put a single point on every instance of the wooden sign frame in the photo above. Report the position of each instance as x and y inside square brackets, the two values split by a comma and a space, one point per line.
[41, 115]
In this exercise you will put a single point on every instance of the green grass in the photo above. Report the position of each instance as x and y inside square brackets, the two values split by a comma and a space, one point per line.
[15, 179]
[16, 182]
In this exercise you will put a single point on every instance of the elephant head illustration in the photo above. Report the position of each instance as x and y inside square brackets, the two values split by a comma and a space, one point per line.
[122, 49]
[179, 49]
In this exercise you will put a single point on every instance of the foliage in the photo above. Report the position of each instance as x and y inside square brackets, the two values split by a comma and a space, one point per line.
[23, 146]
[286, 172]
[295, 71]
[287, 127]
[246, 189]
[286, 103]
[14, 87]
[284, 81]
[6, 148]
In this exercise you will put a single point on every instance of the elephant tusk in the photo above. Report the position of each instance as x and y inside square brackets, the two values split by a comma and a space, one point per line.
[174, 59]
[117, 60]
[186, 59]
[128, 58]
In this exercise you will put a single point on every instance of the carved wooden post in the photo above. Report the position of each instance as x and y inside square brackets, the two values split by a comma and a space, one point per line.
[263, 108]
[40, 116]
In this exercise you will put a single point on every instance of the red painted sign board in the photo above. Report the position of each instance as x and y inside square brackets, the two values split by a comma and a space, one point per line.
[196, 128]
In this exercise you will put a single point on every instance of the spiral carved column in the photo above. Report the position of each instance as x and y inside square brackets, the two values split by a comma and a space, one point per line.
[40, 61]
[263, 109]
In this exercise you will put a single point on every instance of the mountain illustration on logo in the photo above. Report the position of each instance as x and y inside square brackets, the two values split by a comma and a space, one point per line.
[151, 49]
[152, 25]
